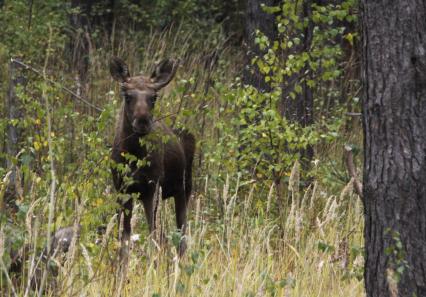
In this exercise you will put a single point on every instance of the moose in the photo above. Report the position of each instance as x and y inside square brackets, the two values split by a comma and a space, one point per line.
[165, 155]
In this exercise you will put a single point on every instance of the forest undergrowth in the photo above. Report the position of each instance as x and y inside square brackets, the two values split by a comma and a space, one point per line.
[245, 237]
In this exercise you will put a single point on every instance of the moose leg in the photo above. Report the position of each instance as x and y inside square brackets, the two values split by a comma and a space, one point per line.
[150, 212]
[180, 208]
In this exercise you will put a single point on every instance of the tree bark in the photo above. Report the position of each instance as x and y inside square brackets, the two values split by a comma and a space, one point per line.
[257, 19]
[79, 42]
[93, 14]
[300, 109]
[394, 123]
[13, 132]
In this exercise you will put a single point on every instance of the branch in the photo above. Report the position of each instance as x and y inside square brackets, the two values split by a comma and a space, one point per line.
[349, 160]
[38, 72]
[52, 190]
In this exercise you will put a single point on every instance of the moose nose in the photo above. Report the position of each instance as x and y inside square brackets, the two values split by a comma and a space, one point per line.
[143, 122]
[142, 125]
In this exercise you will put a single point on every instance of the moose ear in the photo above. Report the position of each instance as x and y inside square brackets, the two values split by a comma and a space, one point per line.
[164, 73]
[119, 69]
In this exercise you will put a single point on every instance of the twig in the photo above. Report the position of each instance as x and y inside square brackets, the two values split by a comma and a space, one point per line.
[30, 14]
[166, 116]
[28, 67]
[52, 190]
[354, 114]
[349, 160]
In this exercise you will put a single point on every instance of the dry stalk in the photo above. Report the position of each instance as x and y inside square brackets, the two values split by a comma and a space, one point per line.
[269, 199]
[30, 216]
[33, 266]
[109, 229]
[293, 187]
[225, 195]
[249, 199]
[71, 255]
[3, 186]
[197, 209]
[158, 207]
[347, 189]
[231, 206]
[88, 260]
[52, 190]
[313, 195]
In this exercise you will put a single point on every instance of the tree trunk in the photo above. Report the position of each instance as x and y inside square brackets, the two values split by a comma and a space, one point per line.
[92, 14]
[394, 119]
[13, 133]
[79, 42]
[300, 109]
[257, 19]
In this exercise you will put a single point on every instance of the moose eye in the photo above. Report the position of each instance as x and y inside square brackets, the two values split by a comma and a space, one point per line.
[153, 99]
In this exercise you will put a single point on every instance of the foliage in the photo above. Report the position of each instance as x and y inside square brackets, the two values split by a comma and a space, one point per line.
[397, 256]
[239, 241]
[267, 143]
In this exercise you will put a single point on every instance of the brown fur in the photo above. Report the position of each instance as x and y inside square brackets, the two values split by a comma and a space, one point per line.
[169, 154]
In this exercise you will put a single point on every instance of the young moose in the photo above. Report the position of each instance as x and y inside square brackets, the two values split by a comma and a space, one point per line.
[166, 162]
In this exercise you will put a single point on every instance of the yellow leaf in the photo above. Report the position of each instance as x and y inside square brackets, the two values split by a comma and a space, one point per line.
[37, 145]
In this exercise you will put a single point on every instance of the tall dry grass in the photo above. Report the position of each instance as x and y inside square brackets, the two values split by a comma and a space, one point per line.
[248, 252]
[237, 245]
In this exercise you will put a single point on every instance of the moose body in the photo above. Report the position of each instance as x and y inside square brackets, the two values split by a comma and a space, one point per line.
[166, 154]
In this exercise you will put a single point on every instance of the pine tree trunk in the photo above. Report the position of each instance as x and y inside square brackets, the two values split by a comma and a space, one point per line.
[394, 118]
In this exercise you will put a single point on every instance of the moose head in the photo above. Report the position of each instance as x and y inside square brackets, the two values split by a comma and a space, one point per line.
[140, 92]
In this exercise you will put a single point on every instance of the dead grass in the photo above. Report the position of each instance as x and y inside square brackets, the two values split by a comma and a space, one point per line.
[236, 245]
